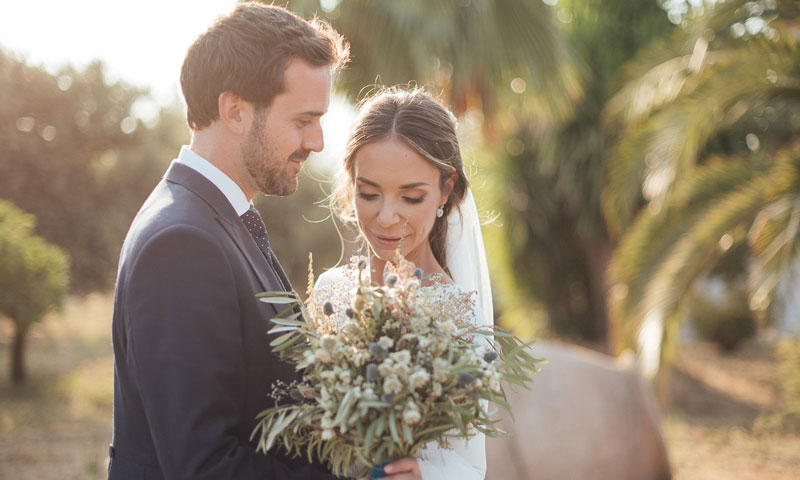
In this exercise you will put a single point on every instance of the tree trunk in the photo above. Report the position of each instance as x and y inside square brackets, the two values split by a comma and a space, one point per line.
[18, 372]
[598, 254]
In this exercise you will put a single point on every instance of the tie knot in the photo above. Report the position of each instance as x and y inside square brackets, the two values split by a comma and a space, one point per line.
[254, 223]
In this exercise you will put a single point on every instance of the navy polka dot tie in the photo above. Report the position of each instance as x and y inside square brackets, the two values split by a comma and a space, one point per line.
[255, 225]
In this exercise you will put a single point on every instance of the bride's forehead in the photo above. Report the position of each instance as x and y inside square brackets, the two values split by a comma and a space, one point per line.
[393, 160]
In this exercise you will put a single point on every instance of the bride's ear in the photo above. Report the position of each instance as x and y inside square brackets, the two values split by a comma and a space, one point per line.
[447, 189]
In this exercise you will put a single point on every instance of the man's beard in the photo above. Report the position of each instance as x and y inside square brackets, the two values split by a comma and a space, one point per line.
[270, 173]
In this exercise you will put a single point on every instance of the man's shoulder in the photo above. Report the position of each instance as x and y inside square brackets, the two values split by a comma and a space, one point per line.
[172, 210]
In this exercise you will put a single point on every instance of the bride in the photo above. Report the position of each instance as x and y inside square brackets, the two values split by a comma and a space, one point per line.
[403, 184]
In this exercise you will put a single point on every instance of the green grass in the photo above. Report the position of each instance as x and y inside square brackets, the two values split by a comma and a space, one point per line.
[58, 425]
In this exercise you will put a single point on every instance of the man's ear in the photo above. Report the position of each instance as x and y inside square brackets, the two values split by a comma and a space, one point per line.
[234, 112]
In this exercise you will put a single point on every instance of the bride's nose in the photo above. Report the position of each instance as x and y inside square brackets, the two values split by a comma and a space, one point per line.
[388, 215]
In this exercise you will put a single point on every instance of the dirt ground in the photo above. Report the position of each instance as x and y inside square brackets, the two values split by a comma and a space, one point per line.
[715, 401]
[58, 426]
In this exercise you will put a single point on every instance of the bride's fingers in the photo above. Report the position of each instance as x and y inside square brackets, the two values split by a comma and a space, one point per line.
[405, 476]
[404, 465]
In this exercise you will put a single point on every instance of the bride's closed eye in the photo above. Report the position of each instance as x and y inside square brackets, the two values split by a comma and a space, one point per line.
[367, 196]
[414, 199]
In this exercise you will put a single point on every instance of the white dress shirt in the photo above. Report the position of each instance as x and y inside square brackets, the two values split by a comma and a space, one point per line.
[224, 183]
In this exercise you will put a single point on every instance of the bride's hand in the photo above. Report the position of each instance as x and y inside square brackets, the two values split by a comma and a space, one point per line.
[403, 469]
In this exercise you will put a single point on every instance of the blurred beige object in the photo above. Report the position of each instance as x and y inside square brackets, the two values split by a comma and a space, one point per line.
[587, 417]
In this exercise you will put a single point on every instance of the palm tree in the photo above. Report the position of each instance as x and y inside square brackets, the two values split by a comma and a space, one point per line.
[470, 50]
[708, 121]
[553, 175]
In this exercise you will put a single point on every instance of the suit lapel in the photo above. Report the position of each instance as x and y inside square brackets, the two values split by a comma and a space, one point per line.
[228, 220]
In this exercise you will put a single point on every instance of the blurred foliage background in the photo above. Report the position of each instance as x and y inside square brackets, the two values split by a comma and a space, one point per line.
[639, 155]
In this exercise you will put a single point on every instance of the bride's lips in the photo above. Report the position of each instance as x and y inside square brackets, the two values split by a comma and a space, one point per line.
[390, 241]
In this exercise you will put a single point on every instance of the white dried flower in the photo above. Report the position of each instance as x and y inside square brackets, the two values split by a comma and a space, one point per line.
[327, 422]
[448, 326]
[345, 377]
[441, 368]
[419, 324]
[351, 329]
[403, 356]
[328, 434]
[386, 368]
[436, 391]
[401, 369]
[419, 378]
[323, 356]
[411, 416]
[385, 342]
[392, 385]
[328, 342]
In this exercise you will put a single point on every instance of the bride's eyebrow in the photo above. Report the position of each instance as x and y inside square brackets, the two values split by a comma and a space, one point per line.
[402, 187]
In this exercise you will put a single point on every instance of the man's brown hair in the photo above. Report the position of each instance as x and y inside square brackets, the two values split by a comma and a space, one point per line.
[247, 52]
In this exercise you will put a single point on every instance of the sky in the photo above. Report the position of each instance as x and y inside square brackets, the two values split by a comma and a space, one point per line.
[142, 42]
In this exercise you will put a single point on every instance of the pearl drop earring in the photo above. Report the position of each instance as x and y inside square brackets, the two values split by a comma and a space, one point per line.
[440, 212]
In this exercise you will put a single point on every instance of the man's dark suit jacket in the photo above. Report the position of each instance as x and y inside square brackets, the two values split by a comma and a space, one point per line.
[192, 363]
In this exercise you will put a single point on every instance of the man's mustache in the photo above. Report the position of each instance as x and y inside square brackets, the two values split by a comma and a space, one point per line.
[300, 155]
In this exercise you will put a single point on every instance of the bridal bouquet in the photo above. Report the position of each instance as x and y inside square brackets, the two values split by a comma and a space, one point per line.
[388, 375]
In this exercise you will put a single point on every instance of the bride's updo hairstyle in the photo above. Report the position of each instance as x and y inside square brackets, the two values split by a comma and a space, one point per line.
[424, 125]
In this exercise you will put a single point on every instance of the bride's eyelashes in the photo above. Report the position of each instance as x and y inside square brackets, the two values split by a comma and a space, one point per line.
[367, 196]
[414, 200]
[373, 196]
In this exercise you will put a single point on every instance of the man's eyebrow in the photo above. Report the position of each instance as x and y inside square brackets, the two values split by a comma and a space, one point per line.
[311, 113]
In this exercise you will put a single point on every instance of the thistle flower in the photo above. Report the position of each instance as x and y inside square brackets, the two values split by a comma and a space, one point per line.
[295, 395]
[418, 273]
[372, 373]
[391, 280]
[350, 313]
[490, 356]
[377, 351]
[466, 379]
[328, 308]
[387, 398]
[362, 263]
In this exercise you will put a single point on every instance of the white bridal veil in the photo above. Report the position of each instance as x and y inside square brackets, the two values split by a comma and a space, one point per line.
[466, 255]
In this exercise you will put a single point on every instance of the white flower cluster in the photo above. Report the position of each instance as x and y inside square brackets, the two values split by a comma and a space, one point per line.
[393, 353]
[394, 371]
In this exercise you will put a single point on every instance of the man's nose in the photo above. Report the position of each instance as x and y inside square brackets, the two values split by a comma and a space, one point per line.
[314, 140]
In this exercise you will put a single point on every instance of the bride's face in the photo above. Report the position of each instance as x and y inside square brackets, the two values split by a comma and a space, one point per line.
[397, 193]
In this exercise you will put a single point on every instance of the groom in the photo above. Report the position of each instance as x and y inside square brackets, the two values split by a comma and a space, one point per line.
[192, 365]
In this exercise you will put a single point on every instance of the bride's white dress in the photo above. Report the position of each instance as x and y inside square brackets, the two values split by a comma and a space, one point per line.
[467, 459]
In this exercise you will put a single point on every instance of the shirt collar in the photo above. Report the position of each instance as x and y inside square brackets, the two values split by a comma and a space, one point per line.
[224, 183]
